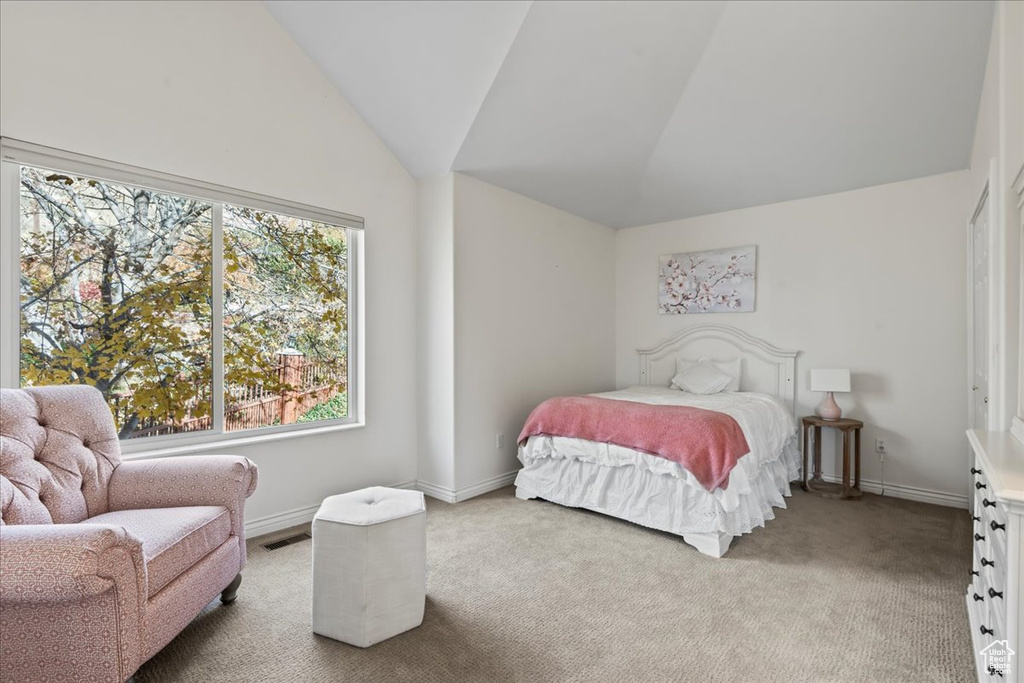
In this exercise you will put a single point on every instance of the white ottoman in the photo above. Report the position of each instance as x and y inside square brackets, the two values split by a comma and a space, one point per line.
[369, 565]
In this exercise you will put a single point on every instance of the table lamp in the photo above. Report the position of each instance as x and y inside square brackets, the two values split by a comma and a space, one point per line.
[830, 381]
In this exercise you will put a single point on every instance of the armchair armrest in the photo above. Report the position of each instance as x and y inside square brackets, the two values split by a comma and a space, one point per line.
[182, 481]
[72, 599]
[45, 563]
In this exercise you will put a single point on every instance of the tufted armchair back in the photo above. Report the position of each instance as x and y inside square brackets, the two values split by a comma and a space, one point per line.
[58, 448]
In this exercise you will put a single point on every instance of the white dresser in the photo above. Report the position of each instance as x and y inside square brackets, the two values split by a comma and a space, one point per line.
[995, 601]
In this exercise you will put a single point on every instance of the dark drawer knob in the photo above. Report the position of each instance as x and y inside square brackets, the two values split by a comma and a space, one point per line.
[976, 519]
[993, 593]
[985, 562]
[975, 471]
[986, 631]
[978, 598]
[979, 537]
[992, 671]
[974, 573]
[979, 486]
[988, 503]
[995, 525]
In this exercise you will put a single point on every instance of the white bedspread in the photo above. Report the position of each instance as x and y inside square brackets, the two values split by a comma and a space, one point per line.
[766, 423]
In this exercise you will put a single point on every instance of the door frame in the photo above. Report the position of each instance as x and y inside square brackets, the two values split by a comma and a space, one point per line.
[1017, 421]
[995, 340]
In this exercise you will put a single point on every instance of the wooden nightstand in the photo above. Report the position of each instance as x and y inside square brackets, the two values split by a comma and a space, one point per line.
[850, 428]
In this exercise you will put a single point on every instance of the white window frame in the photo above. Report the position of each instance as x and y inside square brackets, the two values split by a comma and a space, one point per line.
[16, 153]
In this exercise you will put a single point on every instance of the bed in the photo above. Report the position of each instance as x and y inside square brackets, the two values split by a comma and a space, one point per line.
[661, 494]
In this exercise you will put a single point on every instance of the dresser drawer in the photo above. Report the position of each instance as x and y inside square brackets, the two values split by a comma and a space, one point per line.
[989, 552]
[985, 497]
[997, 615]
[979, 481]
[992, 603]
[989, 537]
[989, 578]
[990, 563]
[988, 508]
[991, 512]
[993, 621]
[977, 597]
[995, 540]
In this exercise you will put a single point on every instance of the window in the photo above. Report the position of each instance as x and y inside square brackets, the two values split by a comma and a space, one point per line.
[195, 309]
[285, 319]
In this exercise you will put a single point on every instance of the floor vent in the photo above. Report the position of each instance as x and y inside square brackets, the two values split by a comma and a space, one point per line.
[299, 538]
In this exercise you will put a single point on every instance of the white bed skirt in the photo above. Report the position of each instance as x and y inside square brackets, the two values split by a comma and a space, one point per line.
[660, 501]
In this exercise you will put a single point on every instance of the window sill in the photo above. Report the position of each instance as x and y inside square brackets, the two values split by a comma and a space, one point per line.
[224, 444]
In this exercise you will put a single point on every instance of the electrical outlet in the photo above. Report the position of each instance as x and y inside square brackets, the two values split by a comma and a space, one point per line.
[880, 446]
[499, 440]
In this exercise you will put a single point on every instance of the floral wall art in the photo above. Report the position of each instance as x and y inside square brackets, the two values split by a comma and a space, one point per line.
[718, 281]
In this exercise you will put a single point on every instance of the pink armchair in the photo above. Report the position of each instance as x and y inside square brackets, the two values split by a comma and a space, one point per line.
[103, 562]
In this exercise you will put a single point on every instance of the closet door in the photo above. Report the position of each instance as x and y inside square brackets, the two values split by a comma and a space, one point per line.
[1018, 188]
[980, 356]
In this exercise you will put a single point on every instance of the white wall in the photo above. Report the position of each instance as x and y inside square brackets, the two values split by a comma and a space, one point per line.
[986, 130]
[435, 312]
[218, 91]
[534, 318]
[871, 280]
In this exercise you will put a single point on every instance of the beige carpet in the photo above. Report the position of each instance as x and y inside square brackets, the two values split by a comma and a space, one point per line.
[528, 591]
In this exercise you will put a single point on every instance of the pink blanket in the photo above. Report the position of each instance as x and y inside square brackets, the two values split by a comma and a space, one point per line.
[704, 442]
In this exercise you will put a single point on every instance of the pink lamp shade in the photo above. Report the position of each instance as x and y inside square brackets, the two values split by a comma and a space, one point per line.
[830, 381]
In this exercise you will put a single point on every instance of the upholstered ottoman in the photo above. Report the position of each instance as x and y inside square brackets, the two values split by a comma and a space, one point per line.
[369, 565]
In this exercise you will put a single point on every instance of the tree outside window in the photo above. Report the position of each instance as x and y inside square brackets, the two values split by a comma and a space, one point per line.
[117, 291]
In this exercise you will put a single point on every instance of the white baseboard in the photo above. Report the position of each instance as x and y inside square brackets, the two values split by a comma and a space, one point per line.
[457, 495]
[282, 520]
[442, 493]
[486, 486]
[303, 515]
[907, 492]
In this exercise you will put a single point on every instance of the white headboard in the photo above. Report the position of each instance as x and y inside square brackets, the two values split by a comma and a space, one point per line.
[766, 368]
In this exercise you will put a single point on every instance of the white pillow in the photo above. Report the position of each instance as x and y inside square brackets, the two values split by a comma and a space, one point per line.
[733, 368]
[701, 378]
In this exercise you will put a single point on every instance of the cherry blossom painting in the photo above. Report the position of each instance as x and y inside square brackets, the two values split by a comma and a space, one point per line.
[718, 281]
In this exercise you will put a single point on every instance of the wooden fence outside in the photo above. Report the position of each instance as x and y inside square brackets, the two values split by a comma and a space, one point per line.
[253, 406]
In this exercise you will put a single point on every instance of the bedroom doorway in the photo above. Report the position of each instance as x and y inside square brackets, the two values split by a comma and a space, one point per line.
[978, 338]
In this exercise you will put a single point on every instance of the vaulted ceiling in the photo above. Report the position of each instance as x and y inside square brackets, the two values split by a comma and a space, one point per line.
[636, 112]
